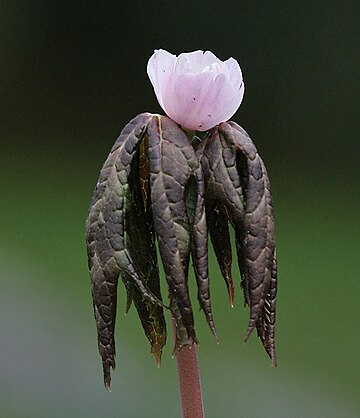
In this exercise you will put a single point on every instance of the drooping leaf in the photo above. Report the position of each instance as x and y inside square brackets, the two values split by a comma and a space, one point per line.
[140, 239]
[224, 199]
[108, 256]
[173, 163]
[218, 224]
[237, 181]
[199, 242]
[259, 236]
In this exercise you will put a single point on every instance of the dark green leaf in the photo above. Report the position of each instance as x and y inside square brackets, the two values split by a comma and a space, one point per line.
[199, 242]
[217, 218]
[140, 239]
[178, 217]
[108, 255]
[237, 181]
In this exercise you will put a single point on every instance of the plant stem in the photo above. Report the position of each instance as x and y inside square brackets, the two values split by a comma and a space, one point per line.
[189, 381]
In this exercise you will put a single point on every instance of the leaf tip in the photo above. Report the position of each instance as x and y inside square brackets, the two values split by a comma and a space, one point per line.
[249, 330]
[108, 364]
[272, 355]
[215, 334]
[156, 351]
[107, 382]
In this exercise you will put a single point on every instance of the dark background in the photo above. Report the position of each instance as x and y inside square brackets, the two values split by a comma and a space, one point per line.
[72, 74]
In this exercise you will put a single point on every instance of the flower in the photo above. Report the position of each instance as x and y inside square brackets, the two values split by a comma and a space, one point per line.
[196, 89]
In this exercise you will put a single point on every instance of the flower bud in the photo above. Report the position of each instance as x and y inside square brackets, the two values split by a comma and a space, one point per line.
[196, 89]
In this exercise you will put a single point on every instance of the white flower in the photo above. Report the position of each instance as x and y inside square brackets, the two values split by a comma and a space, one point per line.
[196, 89]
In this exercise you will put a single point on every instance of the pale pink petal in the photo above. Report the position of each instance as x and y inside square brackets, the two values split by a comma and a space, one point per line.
[189, 62]
[234, 72]
[196, 89]
[209, 58]
[159, 67]
[198, 102]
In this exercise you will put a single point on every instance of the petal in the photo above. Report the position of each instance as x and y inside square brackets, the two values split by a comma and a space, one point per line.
[189, 62]
[198, 102]
[159, 67]
[234, 72]
[198, 61]
[209, 58]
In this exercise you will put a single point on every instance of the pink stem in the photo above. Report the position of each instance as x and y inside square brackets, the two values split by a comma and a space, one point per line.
[189, 382]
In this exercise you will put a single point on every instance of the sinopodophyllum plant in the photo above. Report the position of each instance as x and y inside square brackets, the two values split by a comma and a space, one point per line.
[163, 185]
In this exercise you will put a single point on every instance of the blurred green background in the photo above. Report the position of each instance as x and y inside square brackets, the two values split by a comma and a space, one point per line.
[72, 73]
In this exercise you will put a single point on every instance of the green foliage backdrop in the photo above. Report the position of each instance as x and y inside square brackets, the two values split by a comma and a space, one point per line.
[72, 74]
